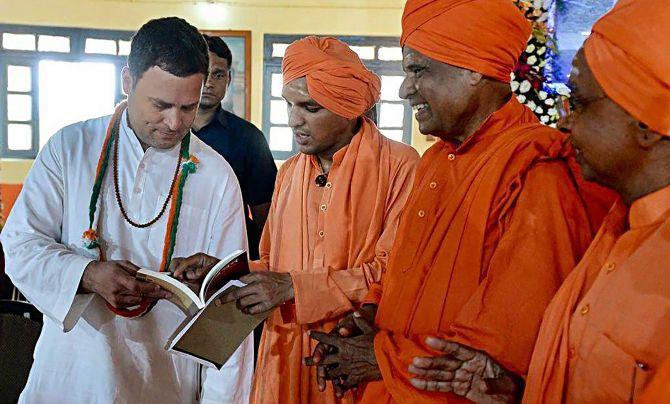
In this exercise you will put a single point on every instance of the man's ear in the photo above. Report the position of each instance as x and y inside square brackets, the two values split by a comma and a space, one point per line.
[126, 80]
[230, 79]
[646, 137]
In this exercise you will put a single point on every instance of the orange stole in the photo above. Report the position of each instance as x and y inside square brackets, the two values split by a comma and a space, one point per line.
[467, 269]
[658, 390]
[548, 370]
[333, 253]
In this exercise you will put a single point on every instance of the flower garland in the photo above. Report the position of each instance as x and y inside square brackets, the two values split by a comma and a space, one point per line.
[531, 85]
[91, 238]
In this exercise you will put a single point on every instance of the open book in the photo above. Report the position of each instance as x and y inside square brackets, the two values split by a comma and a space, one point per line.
[210, 334]
[234, 266]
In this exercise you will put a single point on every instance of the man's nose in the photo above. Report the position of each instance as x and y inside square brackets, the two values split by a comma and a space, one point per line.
[407, 88]
[173, 119]
[295, 118]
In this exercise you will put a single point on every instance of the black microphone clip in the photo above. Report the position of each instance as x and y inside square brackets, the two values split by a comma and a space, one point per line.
[321, 180]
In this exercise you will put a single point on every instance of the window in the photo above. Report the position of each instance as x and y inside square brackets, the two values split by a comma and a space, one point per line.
[19, 109]
[124, 48]
[18, 41]
[51, 77]
[87, 88]
[51, 43]
[382, 55]
[104, 46]
[390, 53]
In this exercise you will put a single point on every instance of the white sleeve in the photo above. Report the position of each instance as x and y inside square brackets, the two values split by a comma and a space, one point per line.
[232, 384]
[43, 269]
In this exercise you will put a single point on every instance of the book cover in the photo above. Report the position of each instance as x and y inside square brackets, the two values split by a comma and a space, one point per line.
[212, 336]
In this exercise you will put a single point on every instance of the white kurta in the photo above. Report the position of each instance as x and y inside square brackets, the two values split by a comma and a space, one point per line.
[86, 353]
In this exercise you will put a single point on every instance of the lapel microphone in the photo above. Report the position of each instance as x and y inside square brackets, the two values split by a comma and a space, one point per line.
[321, 180]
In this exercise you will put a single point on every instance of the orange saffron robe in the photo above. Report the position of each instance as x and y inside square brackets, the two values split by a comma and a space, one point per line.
[490, 231]
[658, 390]
[606, 332]
[335, 241]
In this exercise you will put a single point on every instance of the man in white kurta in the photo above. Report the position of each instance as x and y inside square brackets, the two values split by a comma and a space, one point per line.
[86, 353]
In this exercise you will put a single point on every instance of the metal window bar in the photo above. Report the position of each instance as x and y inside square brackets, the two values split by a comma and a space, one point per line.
[32, 58]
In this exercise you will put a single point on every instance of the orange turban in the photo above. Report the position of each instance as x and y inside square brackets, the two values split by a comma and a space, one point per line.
[628, 55]
[486, 36]
[336, 77]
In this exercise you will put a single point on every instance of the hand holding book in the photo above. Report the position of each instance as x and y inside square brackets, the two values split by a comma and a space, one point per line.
[264, 291]
[192, 269]
[210, 334]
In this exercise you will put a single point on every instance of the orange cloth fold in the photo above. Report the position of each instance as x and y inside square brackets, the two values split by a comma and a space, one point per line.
[658, 390]
[628, 56]
[490, 231]
[334, 241]
[336, 77]
[486, 36]
[604, 335]
[597, 198]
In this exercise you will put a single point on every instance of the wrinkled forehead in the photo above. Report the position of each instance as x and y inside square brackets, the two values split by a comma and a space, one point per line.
[412, 58]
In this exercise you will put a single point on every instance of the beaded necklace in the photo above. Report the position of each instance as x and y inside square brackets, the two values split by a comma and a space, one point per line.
[91, 238]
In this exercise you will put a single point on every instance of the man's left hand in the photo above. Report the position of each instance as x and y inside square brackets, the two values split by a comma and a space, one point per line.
[352, 361]
[465, 372]
[265, 290]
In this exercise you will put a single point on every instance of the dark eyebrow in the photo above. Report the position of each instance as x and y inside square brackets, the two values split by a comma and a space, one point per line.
[309, 103]
[219, 71]
[413, 66]
[167, 105]
[161, 103]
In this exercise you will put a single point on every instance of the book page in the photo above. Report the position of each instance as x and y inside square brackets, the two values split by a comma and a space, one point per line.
[182, 295]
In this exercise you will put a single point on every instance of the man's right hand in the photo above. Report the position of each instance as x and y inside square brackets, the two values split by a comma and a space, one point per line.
[115, 282]
[348, 328]
[192, 269]
[345, 328]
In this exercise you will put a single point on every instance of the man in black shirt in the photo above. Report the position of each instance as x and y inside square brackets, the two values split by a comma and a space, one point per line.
[238, 141]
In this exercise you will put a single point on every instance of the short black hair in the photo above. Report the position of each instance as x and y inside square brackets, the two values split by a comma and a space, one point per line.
[170, 43]
[218, 47]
